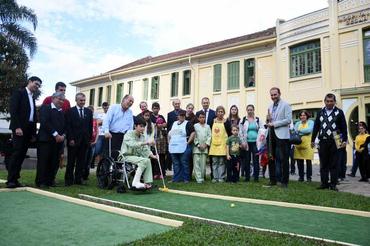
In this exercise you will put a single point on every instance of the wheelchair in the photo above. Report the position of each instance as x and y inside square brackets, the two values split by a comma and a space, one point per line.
[113, 170]
[111, 173]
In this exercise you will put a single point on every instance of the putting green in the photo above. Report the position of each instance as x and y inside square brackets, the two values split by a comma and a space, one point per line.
[32, 219]
[333, 226]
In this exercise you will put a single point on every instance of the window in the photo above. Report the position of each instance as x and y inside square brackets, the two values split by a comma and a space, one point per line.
[130, 87]
[217, 77]
[186, 83]
[154, 92]
[305, 59]
[146, 89]
[233, 75]
[119, 93]
[249, 73]
[174, 84]
[92, 97]
[367, 55]
[109, 93]
[100, 96]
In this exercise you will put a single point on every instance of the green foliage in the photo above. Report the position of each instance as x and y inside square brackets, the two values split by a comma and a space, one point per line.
[15, 41]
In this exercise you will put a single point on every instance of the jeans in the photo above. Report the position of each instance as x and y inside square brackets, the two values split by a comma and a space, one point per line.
[99, 146]
[251, 154]
[180, 163]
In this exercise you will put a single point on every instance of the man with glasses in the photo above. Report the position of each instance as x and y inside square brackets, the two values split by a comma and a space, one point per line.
[23, 125]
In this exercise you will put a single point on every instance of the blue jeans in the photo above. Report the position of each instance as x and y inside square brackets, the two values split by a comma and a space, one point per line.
[180, 163]
[251, 154]
[99, 145]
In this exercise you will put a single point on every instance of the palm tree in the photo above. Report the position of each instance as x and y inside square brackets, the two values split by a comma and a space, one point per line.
[10, 15]
[17, 45]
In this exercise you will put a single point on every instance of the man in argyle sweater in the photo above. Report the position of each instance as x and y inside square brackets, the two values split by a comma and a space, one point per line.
[330, 119]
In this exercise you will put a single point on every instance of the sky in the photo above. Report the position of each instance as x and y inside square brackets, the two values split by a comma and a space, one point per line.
[82, 38]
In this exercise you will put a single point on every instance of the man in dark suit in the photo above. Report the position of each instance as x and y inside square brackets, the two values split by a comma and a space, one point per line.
[23, 125]
[210, 114]
[79, 124]
[50, 140]
[172, 116]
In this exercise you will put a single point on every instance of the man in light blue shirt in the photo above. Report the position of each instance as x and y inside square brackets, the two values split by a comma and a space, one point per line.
[118, 121]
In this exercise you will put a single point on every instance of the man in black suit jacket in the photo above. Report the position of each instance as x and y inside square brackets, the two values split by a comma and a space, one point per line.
[172, 116]
[210, 114]
[23, 125]
[79, 124]
[50, 140]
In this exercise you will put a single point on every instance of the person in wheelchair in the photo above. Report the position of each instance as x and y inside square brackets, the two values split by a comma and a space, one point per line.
[136, 150]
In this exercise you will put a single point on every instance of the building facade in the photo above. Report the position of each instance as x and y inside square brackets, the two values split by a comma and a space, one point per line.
[307, 57]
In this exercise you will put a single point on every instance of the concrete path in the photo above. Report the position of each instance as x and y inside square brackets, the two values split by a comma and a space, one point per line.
[350, 184]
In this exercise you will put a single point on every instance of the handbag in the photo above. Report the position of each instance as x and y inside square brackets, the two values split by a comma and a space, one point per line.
[295, 138]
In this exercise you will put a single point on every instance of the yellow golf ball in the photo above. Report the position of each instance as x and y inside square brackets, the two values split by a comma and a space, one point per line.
[232, 205]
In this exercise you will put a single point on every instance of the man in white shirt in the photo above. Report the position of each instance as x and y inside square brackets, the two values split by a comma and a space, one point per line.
[23, 125]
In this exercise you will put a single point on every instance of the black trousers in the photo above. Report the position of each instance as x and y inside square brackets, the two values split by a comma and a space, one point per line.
[48, 154]
[281, 148]
[363, 165]
[232, 173]
[329, 154]
[20, 147]
[300, 164]
[76, 163]
[115, 146]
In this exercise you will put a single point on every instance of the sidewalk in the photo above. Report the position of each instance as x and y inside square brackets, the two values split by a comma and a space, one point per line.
[350, 184]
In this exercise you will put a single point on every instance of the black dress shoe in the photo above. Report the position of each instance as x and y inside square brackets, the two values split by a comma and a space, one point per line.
[323, 187]
[284, 186]
[333, 188]
[68, 184]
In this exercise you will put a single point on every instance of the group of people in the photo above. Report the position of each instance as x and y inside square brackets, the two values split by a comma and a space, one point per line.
[185, 142]
[60, 125]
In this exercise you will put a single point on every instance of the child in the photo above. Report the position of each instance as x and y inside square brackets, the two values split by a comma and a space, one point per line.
[201, 143]
[233, 144]
[136, 150]
[221, 128]
[160, 139]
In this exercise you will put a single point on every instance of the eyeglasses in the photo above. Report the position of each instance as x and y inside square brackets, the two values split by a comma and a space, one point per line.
[38, 84]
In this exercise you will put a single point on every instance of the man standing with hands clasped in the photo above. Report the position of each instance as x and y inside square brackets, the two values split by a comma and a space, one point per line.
[331, 126]
[50, 140]
[79, 130]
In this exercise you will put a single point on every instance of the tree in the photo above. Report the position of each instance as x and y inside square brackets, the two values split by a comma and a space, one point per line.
[17, 46]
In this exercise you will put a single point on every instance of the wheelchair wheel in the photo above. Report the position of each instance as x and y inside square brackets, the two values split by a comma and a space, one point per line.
[104, 173]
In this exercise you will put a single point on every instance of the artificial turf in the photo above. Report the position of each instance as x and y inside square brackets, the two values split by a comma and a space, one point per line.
[339, 227]
[32, 219]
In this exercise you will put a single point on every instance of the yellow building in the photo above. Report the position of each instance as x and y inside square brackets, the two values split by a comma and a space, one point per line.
[324, 51]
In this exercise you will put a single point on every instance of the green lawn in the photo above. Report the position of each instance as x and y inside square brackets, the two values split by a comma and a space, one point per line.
[45, 221]
[202, 233]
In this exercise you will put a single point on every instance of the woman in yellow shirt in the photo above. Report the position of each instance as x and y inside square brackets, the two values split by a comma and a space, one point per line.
[221, 129]
[360, 153]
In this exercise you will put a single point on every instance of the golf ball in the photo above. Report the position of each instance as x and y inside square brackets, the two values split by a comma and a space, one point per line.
[232, 205]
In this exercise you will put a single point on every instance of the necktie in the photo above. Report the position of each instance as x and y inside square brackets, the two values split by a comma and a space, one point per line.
[81, 113]
[205, 112]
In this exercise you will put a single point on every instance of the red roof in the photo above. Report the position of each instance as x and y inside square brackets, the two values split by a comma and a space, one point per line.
[268, 33]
